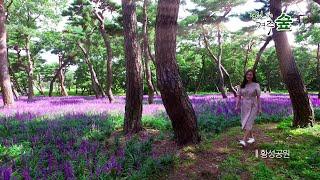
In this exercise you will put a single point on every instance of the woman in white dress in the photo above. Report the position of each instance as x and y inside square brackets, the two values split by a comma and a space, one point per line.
[248, 99]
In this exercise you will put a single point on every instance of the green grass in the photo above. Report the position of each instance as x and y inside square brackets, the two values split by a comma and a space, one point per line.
[303, 162]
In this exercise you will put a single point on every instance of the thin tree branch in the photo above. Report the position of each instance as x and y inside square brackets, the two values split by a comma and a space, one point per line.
[258, 57]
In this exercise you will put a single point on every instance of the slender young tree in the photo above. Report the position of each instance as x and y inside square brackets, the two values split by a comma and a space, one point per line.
[30, 68]
[96, 86]
[99, 15]
[147, 56]
[5, 82]
[134, 82]
[175, 99]
[302, 107]
[258, 57]
[318, 69]
[223, 73]
[63, 90]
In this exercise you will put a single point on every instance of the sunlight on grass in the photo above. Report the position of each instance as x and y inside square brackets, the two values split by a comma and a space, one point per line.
[14, 151]
[314, 131]
[189, 148]
[224, 150]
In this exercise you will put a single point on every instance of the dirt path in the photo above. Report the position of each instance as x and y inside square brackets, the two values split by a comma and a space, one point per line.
[203, 162]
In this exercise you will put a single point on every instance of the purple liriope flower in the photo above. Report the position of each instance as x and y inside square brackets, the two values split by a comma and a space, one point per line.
[120, 152]
[7, 173]
[68, 170]
[26, 175]
[112, 164]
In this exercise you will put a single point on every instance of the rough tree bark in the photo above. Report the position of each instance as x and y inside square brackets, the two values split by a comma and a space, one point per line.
[100, 17]
[134, 79]
[175, 99]
[258, 57]
[302, 107]
[63, 90]
[146, 54]
[94, 80]
[5, 81]
[29, 68]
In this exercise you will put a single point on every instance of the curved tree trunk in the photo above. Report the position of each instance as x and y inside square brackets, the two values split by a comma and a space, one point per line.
[109, 71]
[222, 71]
[40, 89]
[258, 57]
[97, 88]
[63, 90]
[146, 54]
[56, 75]
[107, 44]
[230, 86]
[302, 107]
[175, 99]
[94, 80]
[5, 83]
[134, 80]
[29, 69]
[318, 69]
[15, 81]
[249, 49]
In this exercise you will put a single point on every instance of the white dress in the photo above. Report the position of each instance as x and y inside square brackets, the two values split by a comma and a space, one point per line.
[249, 104]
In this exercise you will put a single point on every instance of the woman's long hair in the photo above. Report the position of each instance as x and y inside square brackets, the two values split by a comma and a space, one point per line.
[245, 81]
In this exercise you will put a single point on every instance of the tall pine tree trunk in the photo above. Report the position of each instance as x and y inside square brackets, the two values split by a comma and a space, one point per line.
[134, 80]
[302, 107]
[29, 68]
[146, 54]
[175, 99]
[5, 83]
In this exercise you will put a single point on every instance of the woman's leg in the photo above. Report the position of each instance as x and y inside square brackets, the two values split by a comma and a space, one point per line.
[251, 134]
[246, 134]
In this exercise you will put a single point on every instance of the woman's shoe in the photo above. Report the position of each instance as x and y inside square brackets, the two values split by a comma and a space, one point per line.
[251, 140]
[242, 142]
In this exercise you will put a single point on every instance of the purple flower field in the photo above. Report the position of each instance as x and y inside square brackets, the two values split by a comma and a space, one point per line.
[48, 107]
[63, 137]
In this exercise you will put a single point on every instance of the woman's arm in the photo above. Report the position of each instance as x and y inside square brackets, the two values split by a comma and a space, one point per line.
[259, 99]
[259, 104]
[238, 99]
[238, 102]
